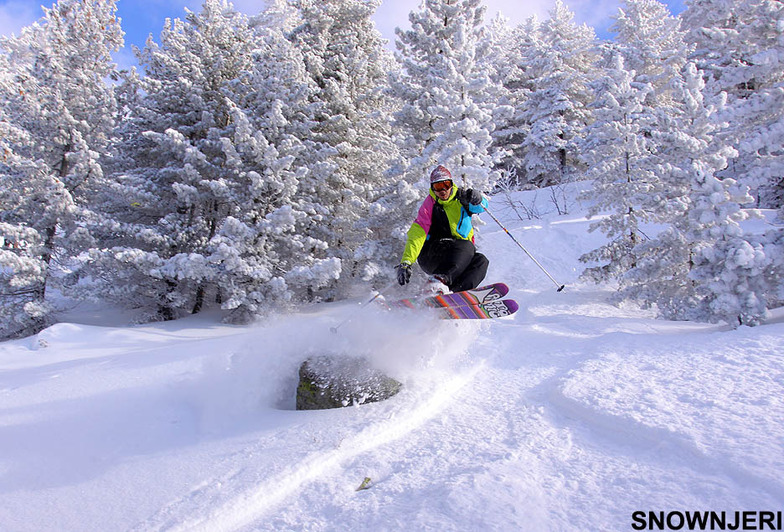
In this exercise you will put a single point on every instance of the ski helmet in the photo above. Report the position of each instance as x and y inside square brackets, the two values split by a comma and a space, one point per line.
[440, 173]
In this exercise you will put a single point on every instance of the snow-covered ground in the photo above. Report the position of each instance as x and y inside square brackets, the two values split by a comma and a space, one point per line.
[571, 415]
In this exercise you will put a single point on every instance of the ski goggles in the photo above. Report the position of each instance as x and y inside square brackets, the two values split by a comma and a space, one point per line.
[440, 186]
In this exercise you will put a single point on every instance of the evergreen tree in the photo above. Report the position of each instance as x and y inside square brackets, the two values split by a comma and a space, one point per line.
[177, 175]
[659, 164]
[23, 181]
[703, 266]
[617, 151]
[262, 253]
[512, 71]
[557, 110]
[58, 114]
[740, 47]
[729, 267]
[661, 273]
[653, 46]
[447, 94]
[350, 146]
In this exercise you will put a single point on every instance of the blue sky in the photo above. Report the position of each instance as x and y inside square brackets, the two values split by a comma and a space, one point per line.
[143, 17]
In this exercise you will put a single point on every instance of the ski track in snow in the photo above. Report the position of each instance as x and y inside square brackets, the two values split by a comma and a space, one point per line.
[545, 421]
[252, 505]
[269, 489]
[523, 440]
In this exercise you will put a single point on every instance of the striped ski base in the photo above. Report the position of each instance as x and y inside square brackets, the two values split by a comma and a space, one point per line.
[476, 296]
[480, 303]
[493, 309]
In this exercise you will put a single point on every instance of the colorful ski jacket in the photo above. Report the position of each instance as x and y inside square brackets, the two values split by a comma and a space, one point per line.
[431, 222]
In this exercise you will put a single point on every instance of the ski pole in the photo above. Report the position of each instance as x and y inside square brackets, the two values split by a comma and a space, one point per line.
[363, 305]
[559, 285]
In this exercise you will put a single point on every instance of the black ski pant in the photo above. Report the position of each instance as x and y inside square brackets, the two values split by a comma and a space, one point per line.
[456, 259]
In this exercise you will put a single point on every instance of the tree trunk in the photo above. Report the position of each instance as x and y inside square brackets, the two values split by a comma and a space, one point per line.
[199, 299]
[46, 257]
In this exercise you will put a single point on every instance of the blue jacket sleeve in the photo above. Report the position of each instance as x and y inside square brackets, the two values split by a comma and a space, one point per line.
[476, 209]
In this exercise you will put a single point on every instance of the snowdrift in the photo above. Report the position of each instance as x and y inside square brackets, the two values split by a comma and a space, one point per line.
[573, 415]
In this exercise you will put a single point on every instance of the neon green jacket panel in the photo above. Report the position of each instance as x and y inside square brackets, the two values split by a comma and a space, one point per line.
[459, 224]
[414, 243]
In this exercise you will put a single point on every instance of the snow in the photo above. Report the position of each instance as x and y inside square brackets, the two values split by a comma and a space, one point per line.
[571, 415]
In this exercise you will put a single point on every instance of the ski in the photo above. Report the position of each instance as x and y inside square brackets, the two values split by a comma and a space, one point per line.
[484, 302]
[475, 296]
[492, 309]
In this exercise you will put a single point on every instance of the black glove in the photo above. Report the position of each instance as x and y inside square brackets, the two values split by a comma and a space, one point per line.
[469, 195]
[403, 273]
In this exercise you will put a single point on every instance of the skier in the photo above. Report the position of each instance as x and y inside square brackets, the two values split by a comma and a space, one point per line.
[441, 238]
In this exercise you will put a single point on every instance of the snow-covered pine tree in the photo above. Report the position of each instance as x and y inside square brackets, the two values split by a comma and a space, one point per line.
[617, 152]
[652, 44]
[262, 253]
[350, 146]
[557, 110]
[505, 60]
[58, 113]
[513, 73]
[22, 180]
[447, 94]
[729, 267]
[650, 40]
[668, 141]
[178, 177]
[702, 266]
[661, 273]
[740, 46]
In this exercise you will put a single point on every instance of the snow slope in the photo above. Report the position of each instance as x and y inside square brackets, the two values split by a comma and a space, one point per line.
[570, 416]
